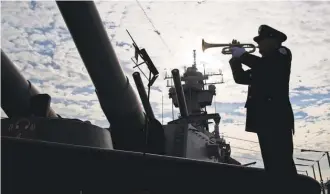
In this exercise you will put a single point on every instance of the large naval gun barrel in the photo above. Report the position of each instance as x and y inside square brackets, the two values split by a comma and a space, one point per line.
[143, 95]
[116, 96]
[179, 93]
[16, 91]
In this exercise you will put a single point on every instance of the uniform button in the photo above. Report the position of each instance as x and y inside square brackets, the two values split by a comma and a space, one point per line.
[269, 99]
[249, 96]
[249, 86]
[250, 74]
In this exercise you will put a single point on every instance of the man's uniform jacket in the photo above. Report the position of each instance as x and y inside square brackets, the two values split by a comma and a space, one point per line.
[268, 105]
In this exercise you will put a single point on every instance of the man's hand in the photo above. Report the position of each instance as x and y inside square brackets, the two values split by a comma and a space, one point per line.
[237, 52]
[234, 41]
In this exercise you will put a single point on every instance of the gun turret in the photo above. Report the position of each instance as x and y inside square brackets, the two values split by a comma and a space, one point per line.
[116, 96]
[16, 91]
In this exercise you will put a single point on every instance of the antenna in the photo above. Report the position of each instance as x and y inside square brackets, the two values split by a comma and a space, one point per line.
[146, 59]
[172, 110]
[215, 105]
[194, 54]
[162, 109]
[207, 75]
[153, 75]
[204, 83]
[168, 84]
[204, 80]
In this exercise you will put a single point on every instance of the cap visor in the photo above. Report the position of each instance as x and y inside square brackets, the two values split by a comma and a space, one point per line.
[257, 39]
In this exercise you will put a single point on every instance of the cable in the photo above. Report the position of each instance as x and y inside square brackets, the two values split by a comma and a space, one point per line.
[154, 27]
[246, 158]
[146, 15]
[244, 149]
[252, 157]
[241, 139]
[323, 154]
[248, 140]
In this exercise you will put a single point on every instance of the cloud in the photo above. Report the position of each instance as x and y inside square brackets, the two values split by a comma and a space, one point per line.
[36, 39]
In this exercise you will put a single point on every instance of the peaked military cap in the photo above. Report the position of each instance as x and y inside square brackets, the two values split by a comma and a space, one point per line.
[269, 32]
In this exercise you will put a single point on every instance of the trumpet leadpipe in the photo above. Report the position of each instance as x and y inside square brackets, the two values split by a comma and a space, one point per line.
[227, 47]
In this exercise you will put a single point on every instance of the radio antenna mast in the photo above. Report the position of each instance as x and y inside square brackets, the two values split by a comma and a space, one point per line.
[194, 64]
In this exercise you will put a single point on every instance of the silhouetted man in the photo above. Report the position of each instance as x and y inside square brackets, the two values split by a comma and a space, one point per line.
[269, 111]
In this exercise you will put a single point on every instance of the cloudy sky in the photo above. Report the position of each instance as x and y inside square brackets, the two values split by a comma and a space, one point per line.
[36, 39]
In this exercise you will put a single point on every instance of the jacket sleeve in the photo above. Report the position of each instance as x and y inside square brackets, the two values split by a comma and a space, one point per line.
[240, 76]
[280, 60]
[250, 60]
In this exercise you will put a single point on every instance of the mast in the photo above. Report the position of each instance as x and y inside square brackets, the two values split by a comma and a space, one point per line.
[197, 95]
[194, 64]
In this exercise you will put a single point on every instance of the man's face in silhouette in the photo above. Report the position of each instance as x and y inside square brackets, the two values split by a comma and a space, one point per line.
[267, 45]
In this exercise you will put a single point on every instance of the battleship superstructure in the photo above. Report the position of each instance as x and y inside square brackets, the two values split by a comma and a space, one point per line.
[45, 153]
[199, 142]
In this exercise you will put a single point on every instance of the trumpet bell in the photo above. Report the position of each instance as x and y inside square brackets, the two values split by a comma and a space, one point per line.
[203, 45]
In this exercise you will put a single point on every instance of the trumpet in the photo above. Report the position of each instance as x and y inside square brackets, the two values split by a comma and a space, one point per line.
[227, 47]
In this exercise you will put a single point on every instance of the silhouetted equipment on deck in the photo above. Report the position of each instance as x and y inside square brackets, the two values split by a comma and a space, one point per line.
[116, 96]
[249, 164]
[16, 91]
[40, 105]
[143, 95]
[327, 186]
[40, 167]
[146, 59]
[57, 130]
[154, 134]
[179, 93]
[31, 117]
[153, 75]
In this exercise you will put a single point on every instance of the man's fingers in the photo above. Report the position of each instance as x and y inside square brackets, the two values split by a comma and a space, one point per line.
[234, 41]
